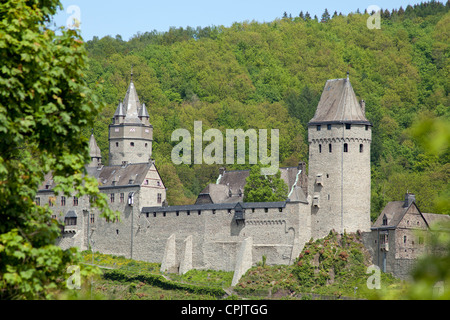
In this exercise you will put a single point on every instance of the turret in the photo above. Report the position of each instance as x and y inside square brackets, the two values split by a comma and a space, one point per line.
[130, 134]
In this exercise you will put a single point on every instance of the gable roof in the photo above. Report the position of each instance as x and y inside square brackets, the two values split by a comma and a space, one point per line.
[235, 181]
[394, 211]
[338, 104]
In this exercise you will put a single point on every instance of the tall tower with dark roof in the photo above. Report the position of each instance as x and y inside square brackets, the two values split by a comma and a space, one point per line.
[130, 134]
[339, 138]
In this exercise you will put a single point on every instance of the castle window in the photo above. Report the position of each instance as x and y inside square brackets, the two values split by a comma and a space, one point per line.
[70, 221]
[361, 148]
[147, 214]
[280, 209]
[146, 182]
[318, 128]
[111, 197]
[348, 126]
[122, 197]
[146, 145]
[117, 231]
[404, 239]
[214, 211]
[385, 221]
[177, 213]
[159, 197]
[164, 214]
[75, 201]
[266, 209]
[154, 214]
[330, 149]
[188, 212]
[345, 147]
[320, 148]
[92, 218]
[329, 126]
[199, 212]
[158, 183]
[367, 127]
[63, 201]
[37, 201]
[132, 144]
[117, 144]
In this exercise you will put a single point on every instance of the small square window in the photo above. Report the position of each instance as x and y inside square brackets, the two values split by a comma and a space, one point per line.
[329, 126]
[318, 128]
[348, 126]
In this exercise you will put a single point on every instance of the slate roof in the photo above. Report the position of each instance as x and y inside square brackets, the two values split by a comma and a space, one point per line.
[395, 210]
[215, 206]
[131, 105]
[235, 181]
[94, 150]
[110, 176]
[338, 104]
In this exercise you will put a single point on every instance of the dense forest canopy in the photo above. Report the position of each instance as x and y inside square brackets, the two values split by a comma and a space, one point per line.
[271, 75]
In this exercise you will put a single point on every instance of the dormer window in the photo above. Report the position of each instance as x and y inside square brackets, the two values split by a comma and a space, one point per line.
[385, 221]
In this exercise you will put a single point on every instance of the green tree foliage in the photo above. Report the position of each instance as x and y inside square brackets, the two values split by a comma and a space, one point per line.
[44, 106]
[271, 75]
[260, 188]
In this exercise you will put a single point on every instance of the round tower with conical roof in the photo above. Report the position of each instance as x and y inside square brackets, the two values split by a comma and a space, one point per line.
[130, 134]
[339, 138]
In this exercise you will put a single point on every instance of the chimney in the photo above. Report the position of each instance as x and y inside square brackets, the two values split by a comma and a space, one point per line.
[363, 106]
[409, 199]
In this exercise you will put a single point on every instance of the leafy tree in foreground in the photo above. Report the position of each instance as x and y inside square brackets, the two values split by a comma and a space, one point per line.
[260, 188]
[44, 105]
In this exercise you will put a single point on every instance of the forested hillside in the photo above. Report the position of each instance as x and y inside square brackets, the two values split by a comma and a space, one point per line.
[271, 76]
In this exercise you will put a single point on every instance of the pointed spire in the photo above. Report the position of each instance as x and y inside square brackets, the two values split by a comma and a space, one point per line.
[94, 151]
[143, 113]
[119, 111]
[131, 104]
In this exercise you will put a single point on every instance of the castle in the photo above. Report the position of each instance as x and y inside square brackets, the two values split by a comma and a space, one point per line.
[220, 231]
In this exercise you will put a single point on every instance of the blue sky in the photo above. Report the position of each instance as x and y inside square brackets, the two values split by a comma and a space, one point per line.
[128, 17]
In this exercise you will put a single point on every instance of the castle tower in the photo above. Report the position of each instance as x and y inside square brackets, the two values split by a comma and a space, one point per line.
[130, 134]
[339, 138]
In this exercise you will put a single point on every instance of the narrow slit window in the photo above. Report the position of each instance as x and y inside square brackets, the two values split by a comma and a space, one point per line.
[345, 147]
[330, 148]
[320, 148]
[361, 148]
